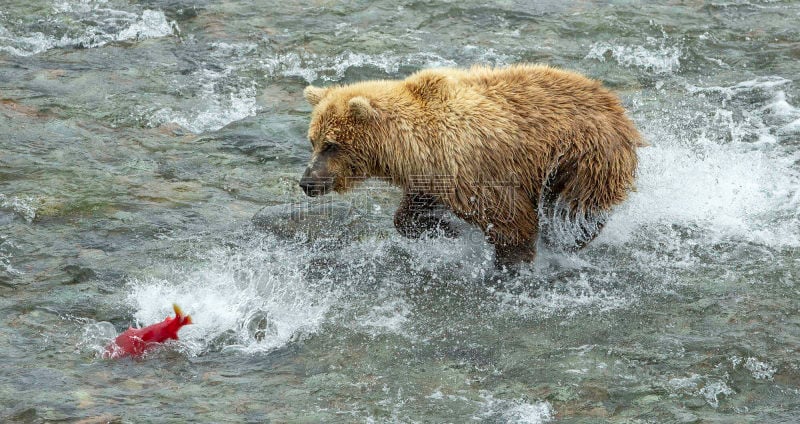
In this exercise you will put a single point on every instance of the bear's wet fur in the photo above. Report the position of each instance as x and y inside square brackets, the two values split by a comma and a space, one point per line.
[515, 151]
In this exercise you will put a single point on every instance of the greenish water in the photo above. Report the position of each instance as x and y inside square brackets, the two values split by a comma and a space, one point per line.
[140, 142]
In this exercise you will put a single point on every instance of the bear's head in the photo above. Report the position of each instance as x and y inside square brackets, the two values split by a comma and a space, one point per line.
[341, 130]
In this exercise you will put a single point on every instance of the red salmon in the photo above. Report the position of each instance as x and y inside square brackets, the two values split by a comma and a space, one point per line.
[135, 341]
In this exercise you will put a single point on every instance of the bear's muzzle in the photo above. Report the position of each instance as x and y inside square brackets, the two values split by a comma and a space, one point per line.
[315, 182]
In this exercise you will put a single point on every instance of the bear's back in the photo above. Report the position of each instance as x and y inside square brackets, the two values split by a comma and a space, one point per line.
[543, 91]
[553, 105]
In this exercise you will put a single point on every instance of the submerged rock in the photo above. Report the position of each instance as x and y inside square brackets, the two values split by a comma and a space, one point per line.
[77, 274]
[335, 220]
[23, 415]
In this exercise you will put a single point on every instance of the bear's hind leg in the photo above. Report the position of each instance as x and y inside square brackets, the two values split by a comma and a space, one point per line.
[589, 229]
[418, 213]
[563, 225]
[565, 230]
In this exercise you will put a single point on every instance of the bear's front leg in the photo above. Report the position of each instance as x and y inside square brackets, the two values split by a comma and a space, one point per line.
[507, 256]
[420, 212]
[514, 241]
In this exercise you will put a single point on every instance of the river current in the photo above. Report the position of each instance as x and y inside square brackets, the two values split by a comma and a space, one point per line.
[150, 152]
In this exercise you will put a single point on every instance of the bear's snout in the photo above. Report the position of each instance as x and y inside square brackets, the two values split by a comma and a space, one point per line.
[314, 183]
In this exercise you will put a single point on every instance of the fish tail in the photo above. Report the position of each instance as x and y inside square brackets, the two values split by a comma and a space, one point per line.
[183, 319]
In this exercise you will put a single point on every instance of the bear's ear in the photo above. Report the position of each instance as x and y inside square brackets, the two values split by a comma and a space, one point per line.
[313, 94]
[428, 86]
[361, 108]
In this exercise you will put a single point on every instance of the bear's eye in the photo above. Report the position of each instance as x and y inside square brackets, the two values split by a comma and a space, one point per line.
[329, 148]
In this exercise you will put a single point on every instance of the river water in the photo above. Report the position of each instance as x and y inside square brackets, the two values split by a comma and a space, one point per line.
[150, 152]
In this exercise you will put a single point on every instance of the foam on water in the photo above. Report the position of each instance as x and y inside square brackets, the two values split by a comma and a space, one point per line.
[654, 55]
[224, 96]
[312, 67]
[792, 127]
[90, 24]
[760, 370]
[712, 392]
[213, 109]
[252, 300]
[712, 388]
[24, 45]
[212, 96]
[708, 388]
[6, 247]
[24, 207]
[515, 411]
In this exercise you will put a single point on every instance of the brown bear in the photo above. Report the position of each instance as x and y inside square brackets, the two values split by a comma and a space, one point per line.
[514, 150]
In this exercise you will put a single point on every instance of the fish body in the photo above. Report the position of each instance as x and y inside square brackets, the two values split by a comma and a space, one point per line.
[135, 341]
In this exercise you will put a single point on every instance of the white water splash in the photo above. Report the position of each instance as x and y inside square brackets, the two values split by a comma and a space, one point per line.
[388, 317]
[775, 118]
[250, 301]
[727, 192]
[731, 177]
[96, 336]
[578, 295]
[792, 127]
